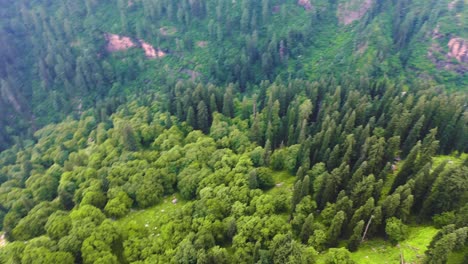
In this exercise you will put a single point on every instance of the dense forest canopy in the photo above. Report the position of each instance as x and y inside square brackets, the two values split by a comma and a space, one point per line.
[60, 58]
[273, 131]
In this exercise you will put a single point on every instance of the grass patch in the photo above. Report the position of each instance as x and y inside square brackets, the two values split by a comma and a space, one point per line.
[453, 160]
[283, 181]
[381, 251]
[378, 250]
[154, 217]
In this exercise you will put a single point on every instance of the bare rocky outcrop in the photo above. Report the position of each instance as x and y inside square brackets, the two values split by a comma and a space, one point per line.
[353, 10]
[458, 49]
[202, 44]
[451, 5]
[305, 4]
[150, 51]
[118, 43]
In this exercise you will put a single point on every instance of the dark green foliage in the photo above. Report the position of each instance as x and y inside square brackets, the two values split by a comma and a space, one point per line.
[338, 255]
[336, 226]
[356, 237]
[265, 178]
[443, 219]
[202, 117]
[171, 144]
[447, 240]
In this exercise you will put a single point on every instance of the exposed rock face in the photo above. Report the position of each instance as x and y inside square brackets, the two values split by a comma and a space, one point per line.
[150, 51]
[202, 44]
[305, 4]
[118, 43]
[451, 5]
[353, 10]
[458, 49]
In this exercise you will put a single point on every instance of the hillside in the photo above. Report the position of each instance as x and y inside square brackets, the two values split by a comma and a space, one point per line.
[273, 131]
[58, 58]
[258, 180]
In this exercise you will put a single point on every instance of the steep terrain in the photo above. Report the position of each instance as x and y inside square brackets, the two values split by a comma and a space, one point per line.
[202, 131]
[292, 174]
[409, 41]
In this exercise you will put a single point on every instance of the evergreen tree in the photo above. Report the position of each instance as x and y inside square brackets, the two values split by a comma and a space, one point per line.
[191, 117]
[228, 104]
[129, 139]
[202, 117]
[307, 228]
[355, 238]
[334, 231]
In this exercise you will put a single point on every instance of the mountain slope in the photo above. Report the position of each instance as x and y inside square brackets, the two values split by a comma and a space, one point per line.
[55, 55]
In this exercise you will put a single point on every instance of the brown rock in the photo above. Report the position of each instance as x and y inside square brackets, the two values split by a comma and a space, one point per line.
[458, 49]
[118, 43]
[353, 10]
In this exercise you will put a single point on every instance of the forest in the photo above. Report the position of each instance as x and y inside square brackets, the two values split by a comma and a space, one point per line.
[273, 131]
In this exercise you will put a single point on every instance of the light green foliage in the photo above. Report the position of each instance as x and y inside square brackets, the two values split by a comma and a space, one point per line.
[119, 205]
[98, 246]
[338, 255]
[396, 230]
[374, 250]
[141, 185]
[58, 225]
[278, 158]
[265, 178]
[34, 223]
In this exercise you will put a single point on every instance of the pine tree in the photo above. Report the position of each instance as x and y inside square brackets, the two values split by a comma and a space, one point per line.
[202, 117]
[334, 231]
[355, 238]
[297, 195]
[129, 140]
[228, 103]
[413, 135]
[408, 168]
[305, 186]
[307, 228]
[191, 117]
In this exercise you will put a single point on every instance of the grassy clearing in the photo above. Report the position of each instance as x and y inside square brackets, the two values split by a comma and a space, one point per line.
[153, 217]
[156, 216]
[453, 160]
[380, 251]
[283, 180]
